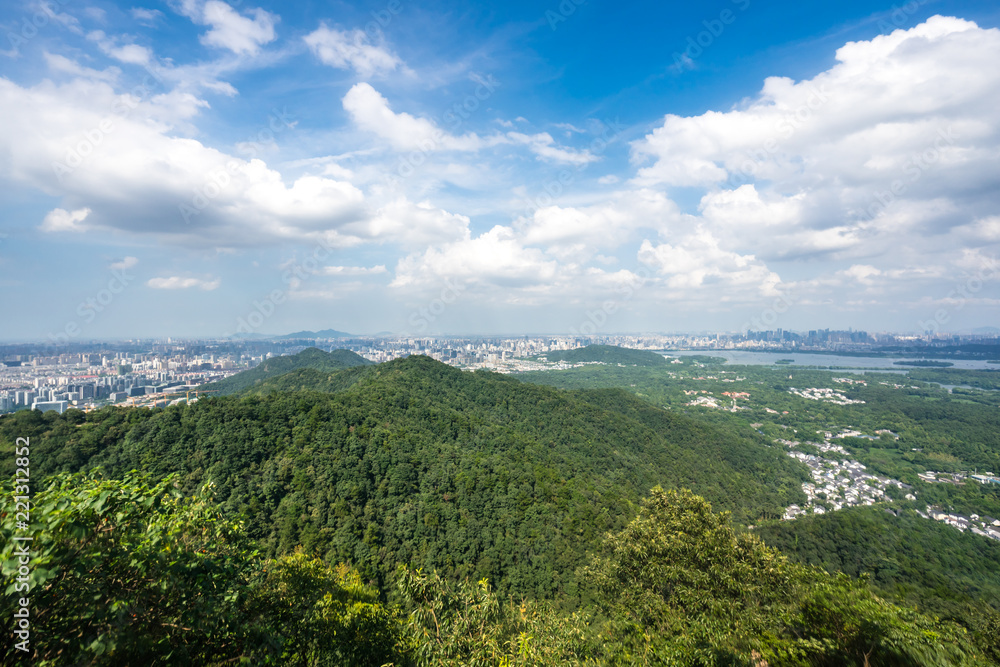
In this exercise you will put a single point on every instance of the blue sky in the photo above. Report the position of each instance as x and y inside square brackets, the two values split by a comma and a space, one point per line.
[196, 168]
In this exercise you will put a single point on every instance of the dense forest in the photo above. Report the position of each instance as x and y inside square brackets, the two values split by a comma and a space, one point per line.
[908, 427]
[309, 358]
[982, 379]
[608, 354]
[474, 474]
[909, 558]
[937, 430]
[411, 513]
[132, 571]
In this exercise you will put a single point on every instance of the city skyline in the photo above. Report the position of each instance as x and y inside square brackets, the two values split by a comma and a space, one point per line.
[198, 169]
[160, 373]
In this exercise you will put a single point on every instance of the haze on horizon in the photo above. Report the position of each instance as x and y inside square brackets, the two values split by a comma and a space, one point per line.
[175, 169]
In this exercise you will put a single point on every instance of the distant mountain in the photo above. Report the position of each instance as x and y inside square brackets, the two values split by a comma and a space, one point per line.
[325, 333]
[608, 354]
[312, 358]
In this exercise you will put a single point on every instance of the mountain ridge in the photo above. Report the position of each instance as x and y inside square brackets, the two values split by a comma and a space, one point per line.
[323, 333]
[416, 462]
[608, 354]
[310, 357]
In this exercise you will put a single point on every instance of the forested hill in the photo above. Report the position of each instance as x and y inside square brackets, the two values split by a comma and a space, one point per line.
[608, 354]
[922, 562]
[412, 461]
[309, 358]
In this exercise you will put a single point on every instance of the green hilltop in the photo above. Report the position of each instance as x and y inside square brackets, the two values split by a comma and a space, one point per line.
[311, 357]
[413, 461]
[323, 333]
[608, 354]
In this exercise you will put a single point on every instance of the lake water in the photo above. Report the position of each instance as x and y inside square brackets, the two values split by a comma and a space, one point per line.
[753, 358]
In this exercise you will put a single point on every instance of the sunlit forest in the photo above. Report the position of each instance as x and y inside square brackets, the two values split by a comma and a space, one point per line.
[330, 512]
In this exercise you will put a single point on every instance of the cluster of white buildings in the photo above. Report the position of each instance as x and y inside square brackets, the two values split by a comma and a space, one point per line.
[979, 525]
[705, 401]
[837, 483]
[824, 394]
[710, 401]
[932, 477]
[893, 385]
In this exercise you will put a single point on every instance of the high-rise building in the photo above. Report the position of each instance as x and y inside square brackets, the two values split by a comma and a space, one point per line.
[45, 406]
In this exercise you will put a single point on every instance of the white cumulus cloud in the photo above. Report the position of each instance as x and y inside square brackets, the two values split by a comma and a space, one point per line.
[887, 161]
[124, 264]
[228, 28]
[120, 168]
[370, 111]
[61, 220]
[351, 49]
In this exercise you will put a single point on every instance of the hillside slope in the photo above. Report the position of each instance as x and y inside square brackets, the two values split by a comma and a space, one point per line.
[412, 461]
[309, 358]
[323, 333]
[919, 561]
[608, 354]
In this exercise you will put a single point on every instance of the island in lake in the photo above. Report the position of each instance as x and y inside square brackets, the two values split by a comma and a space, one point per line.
[924, 363]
